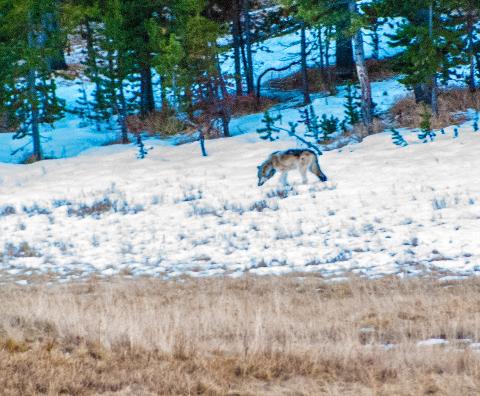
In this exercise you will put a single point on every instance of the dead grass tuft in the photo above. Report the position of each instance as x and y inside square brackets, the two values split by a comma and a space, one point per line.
[269, 335]
[161, 123]
[249, 104]
[360, 130]
[451, 103]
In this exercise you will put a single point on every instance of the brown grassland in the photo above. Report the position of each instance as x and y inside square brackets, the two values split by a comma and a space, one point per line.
[291, 335]
[452, 105]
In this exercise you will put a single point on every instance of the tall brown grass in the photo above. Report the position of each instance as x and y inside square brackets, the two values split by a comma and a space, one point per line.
[290, 335]
[451, 103]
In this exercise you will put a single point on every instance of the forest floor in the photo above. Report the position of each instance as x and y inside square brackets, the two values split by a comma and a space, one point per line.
[288, 335]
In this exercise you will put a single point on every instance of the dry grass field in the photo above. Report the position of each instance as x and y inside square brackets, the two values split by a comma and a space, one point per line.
[293, 335]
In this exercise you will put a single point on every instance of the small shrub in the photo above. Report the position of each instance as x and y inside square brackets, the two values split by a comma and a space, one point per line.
[163, 123]
[95, 209]
[36, 210]
[104, 205]
[426, 126]
[7, 210]
[13, 346]
[329, 126]
[352, 105]
[398, 139]
[309, 118]
[260, 206]
[439, 204]
[198, 210]
[22, 250]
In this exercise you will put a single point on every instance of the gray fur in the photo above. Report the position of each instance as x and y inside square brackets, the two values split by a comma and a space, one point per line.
[284, 161]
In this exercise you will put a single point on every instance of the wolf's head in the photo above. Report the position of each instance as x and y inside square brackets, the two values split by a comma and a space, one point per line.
[265, 172]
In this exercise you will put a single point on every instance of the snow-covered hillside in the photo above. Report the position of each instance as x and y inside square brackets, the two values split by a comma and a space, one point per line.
[384, 210]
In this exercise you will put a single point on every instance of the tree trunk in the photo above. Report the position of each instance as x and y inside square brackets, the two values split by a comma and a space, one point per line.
[327, 47]
[93, 65]
[344, 52]
[433, 100]
[50, 28]
[163, 93]
[123, 115]
[37, 148]
[236, 47]
[248, 45]
[376, 42]
[34, 111]
[424, 92]
[147, 100]
[320, 49]
[362, 74]
[303, 53]
[224, 103]
[471, 52]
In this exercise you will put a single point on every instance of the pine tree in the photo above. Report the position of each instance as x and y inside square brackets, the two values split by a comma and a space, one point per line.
[432, 44]
[348, 20]
[426, 131]
[271, 131]
[309, 118]
[329, 126]
[352, 104]
[117, 64]
[29, 89]
[397, 138]
[374, 18]
[466, 16]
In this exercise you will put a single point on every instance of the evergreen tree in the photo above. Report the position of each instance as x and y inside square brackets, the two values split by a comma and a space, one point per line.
[397, 138]
[348, 20]
[329, 126]
[272, 130]
[374, 19]
[432, 44]
[309, 118]
[29, 89]
[466, 16]
[426, 131]
[352, 104]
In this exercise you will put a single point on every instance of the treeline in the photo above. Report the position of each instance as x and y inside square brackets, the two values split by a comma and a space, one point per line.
[150, 56]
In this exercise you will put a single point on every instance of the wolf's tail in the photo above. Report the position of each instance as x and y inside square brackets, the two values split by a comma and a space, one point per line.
[315, 169]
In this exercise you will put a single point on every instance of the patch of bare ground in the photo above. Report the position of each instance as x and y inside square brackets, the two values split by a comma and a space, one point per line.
[167, 123]
[293, 335]
[326, 80]
[451, 104]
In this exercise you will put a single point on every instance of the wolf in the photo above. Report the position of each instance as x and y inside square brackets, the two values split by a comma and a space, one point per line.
[284, 161]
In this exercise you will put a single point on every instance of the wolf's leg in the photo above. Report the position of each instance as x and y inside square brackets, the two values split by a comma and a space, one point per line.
[303, 172]
[283, 178]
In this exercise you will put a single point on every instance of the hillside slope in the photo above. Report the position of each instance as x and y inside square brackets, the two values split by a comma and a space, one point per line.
[384, 210]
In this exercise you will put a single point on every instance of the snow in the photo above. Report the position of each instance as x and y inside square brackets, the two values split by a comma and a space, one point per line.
[432, 342]
[384, 210]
